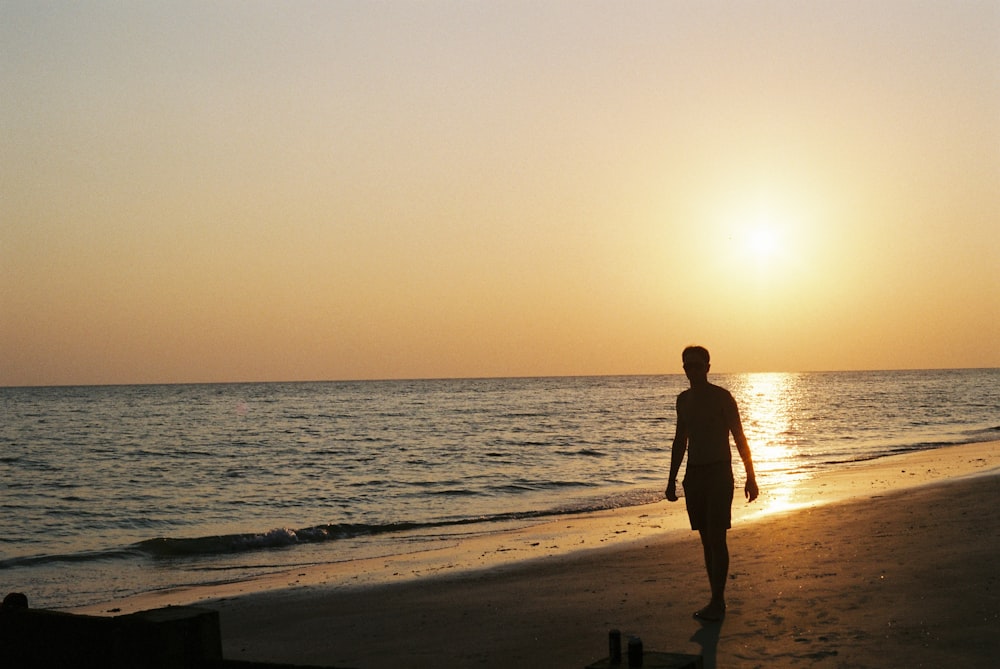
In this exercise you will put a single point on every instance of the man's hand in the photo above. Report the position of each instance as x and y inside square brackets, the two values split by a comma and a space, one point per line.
[671, 493]
[750, 490]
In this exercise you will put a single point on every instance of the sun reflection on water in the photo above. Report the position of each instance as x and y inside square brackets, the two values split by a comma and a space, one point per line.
[767, 405]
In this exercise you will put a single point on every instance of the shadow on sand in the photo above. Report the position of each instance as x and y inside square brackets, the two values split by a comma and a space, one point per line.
[707, 636]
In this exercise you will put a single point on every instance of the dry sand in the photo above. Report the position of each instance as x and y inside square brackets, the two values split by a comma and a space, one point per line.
[892, 563]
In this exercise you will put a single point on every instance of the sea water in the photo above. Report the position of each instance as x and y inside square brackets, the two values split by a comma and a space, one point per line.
[113, 490]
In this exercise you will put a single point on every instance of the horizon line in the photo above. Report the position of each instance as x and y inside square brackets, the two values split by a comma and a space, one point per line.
[126, 384]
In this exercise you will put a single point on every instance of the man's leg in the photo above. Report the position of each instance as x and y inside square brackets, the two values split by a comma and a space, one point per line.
[716, 551]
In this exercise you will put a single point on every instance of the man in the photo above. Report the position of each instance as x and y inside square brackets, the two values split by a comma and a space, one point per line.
[706, 415]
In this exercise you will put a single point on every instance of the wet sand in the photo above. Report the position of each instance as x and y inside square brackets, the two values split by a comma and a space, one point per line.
[881, 564]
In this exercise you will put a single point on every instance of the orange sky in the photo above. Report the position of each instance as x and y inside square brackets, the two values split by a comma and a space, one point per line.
[249, 191]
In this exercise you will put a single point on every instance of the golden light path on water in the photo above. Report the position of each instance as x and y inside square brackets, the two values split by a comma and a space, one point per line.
[768, 408]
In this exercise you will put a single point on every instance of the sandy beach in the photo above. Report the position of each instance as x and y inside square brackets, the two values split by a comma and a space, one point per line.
[889, 563]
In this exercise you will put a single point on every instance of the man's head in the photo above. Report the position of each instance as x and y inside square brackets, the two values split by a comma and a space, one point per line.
[696, 362]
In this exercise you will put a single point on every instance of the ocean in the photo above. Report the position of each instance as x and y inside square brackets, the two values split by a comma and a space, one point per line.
[110, 491]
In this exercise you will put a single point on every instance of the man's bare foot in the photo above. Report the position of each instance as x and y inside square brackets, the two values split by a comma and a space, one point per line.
[714, 612]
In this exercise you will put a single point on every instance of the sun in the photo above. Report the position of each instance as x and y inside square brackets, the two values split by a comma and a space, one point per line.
[762, 238]
[765, 235]
[762, 242]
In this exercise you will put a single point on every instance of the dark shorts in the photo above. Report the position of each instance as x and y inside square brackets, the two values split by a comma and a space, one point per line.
[708, 494]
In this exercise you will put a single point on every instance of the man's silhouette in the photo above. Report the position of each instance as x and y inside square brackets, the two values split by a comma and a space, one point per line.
[706, 416]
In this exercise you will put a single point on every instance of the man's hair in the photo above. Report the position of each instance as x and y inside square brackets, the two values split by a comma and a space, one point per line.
[699, 351]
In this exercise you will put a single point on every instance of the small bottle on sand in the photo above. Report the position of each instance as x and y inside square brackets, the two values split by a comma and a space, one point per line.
[615, 646]
[634, 651]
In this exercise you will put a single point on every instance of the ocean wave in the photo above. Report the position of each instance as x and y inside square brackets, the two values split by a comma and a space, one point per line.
[958, 439]
[586, 452]
[82, 556]
[283, 538]
[165, 547]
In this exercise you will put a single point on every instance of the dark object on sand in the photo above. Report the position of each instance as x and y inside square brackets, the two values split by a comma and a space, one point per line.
[648, 659]
[174, 637]
[15, 600]
[615, 646]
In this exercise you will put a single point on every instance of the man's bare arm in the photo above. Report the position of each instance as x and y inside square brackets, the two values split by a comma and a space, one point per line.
[743, 447]
[677, 450]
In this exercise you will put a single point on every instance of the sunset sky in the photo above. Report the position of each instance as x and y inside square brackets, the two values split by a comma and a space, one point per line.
[254, 191]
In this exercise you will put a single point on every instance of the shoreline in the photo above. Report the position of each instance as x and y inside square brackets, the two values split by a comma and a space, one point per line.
[890, 556]
[562, 536]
